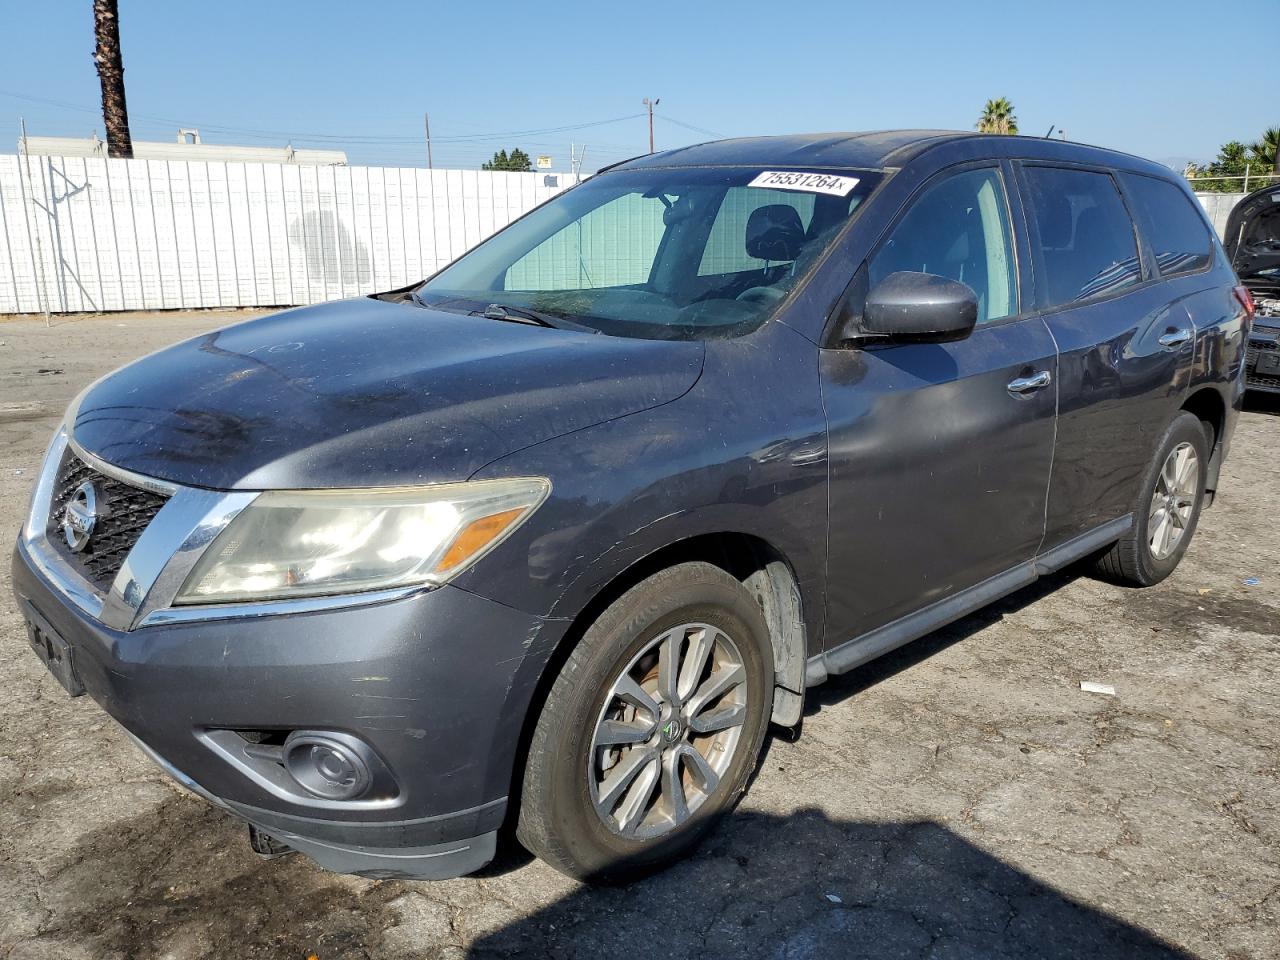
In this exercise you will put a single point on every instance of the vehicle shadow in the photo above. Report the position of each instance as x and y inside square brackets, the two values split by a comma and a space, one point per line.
[178, 881]
[805, 886]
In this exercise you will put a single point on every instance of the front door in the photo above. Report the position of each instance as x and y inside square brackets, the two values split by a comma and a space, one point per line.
[940, 453]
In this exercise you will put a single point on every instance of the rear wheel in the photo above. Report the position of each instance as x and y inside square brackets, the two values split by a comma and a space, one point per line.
[652, 728]
[1167, 508]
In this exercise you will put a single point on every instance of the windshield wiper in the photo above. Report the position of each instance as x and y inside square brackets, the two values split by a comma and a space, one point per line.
[499, 311]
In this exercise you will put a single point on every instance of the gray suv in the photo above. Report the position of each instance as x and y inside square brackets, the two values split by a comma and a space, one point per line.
[548, 540]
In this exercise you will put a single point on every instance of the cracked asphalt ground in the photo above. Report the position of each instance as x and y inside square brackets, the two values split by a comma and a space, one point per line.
[961, 798]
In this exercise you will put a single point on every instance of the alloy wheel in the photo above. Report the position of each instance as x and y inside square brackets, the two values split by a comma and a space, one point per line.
[668, 731]
[1173, 500]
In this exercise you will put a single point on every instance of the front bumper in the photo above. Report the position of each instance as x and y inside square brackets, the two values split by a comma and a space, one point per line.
[437, 684]
[1262, 359]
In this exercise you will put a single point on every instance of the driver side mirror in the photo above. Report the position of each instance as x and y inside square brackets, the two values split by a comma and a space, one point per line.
[908, 307]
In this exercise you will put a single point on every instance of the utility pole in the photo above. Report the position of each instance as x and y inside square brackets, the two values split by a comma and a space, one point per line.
[426, 124]
[650, 104]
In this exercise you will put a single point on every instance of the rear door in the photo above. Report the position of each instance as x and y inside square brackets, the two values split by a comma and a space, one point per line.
[939, 453]
[1124, 348]
[1186, 256]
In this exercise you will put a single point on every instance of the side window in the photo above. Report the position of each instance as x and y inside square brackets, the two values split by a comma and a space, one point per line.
[1173, 227]
[958, 229]
[612, 246]
[726, 251]
[1083, 236]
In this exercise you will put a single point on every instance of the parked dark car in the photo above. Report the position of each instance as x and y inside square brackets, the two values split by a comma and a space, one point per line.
[1252, 241]
[550, 538]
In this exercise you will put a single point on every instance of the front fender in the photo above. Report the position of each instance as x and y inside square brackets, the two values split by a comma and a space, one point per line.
[727, 457]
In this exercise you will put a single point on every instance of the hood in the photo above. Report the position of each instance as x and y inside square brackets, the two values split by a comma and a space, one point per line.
[1252, 241]
[367, 393]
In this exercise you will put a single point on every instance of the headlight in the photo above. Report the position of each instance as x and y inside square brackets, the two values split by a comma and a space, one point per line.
[315, 542]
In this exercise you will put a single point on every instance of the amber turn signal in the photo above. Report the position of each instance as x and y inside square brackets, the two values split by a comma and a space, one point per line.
[475, 536]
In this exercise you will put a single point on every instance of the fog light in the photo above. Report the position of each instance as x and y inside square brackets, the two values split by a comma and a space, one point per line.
[326, 766]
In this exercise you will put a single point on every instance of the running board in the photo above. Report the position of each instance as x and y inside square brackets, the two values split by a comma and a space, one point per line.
[854, 653]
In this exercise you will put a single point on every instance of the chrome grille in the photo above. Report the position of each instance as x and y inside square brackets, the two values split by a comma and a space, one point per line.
[124, 511]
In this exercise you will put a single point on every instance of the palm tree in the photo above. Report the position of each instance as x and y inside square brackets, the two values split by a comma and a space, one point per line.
[115, 115]
[1267, 150]
[997, 117]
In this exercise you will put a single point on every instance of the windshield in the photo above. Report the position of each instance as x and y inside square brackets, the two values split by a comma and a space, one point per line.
[674, 253]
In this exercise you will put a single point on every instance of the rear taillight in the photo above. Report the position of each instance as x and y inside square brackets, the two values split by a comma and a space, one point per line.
[1245, 299]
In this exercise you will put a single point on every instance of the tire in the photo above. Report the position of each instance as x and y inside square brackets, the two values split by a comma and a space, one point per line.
[1135, 560]
[567, 816]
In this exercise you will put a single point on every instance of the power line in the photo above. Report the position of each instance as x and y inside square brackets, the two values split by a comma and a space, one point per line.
[690, 126]
[456, 149]
[56, 103]
[520, 133]
[257, 132]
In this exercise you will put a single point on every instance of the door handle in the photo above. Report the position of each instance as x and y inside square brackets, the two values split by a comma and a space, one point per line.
[1175, 339]
[1024, 385]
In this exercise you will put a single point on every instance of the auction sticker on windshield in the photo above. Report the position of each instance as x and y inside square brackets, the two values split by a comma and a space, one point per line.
[809, 182]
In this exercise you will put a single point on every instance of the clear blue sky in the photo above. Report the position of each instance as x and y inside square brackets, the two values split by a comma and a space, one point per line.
[1167, 81]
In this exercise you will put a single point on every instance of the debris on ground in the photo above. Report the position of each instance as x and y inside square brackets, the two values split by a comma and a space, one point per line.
[1089, 686]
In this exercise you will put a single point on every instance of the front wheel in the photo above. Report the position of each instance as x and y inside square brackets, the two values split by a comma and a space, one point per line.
[1167, 508]
[652, 728]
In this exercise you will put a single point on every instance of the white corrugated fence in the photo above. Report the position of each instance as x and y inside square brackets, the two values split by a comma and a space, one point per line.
[85, 234]
[1218, 206]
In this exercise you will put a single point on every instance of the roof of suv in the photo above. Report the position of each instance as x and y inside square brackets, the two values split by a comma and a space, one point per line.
[871, 150]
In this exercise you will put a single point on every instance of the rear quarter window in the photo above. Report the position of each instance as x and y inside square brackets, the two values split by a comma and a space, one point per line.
[1173, 227]
[1084, 240]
